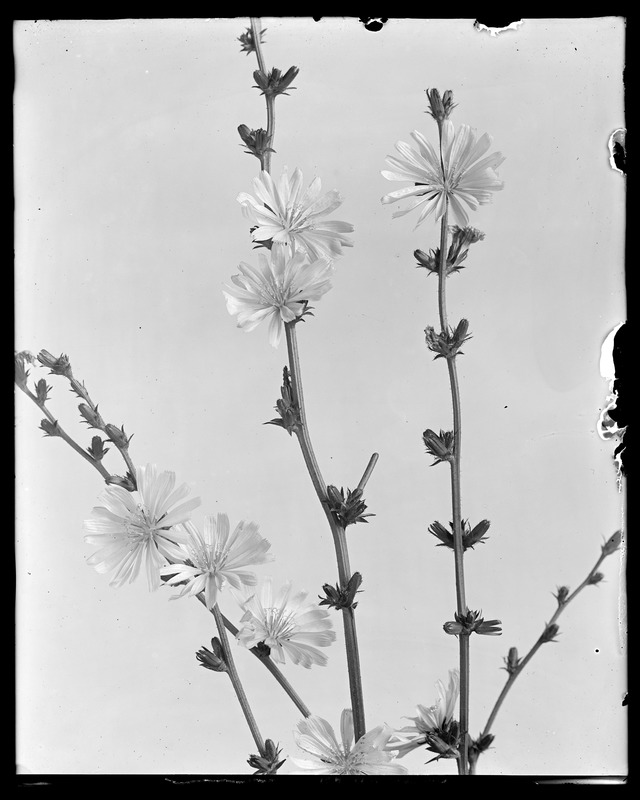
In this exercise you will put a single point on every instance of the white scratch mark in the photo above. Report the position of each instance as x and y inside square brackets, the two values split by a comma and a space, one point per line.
[512, 26]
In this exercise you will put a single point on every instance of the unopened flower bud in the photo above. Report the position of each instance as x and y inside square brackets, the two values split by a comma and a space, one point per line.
[117, 436]
[439, 746]
[58, 366]
[97, 450]
[562, 594]
[212, 659]
[440, 446]
[612, 544]
[269, 763]
[128, 482]
[50, 428]
[462, 239]
[341, 596]
[42, 391]
[595, 578]
[440, 108]
[438, 530]
[429, 261]
[481, 744]
[549, 633]
[257, 142]
[512, 662]
[91, 416]
[286, 407]
[453, 628]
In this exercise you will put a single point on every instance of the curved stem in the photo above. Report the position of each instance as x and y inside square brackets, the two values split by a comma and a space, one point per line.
[525, 660]
[235, 680]
[338, 533]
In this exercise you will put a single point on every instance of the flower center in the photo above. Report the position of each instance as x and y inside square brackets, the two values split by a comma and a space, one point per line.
[139, 526]
[279, 623]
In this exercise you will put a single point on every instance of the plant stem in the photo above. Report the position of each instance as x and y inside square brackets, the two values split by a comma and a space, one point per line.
[338, 533]
[65, 436]
[235, 680]
[268, 663]
[456, 501]
[270, 99]
[524, 661]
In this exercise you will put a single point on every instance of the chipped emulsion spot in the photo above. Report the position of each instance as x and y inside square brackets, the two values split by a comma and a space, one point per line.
[618, 150]
[497, 26]
[607, 427]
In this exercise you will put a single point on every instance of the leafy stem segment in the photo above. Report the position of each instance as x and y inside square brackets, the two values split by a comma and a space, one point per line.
[337, 531]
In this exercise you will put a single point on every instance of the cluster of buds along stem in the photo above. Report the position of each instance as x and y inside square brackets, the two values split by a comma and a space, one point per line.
[56, 366]
[562, 594]
[257, 142]
[347, 509]
[269, 762]
[444, 741]
[341, 596]
[213, 659]
[470, 536]
[462, 239]
[447, 344]
[480, 745]
[275, 82]
[472, 622]
[286, 407]
[248, 42]
[440, 446]
[440, 108]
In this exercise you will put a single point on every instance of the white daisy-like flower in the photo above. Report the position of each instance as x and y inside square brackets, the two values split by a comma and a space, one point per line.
[287, 214]
[135, 528]
[217, 557]
[280, 288]
[435, 719]
[287, 623]
[461, 175]
[368, 756]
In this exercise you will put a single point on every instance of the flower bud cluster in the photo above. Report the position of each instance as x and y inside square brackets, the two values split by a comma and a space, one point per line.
[462, 239]
[562, 594]
[348, 509]
[470, 536]
[549, 634]
[341, 596]
[479, 745]
[440, 108]
[440, 446]
[257, 142]
[212, 659]
[269, 763]
[275, 82]
[472, 622]
[248, 42]
[447, 344]
[286, 407]
[57, 366]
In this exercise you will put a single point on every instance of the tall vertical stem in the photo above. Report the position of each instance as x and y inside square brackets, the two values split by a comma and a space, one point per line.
[456, 502]
[338, 533]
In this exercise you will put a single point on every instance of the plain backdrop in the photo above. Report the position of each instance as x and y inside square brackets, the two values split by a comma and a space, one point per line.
[127, 168]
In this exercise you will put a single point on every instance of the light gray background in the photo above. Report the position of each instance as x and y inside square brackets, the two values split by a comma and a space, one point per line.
[127, 168]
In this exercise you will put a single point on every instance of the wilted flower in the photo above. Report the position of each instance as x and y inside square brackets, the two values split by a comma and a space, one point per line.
[461, 175]
[369, 756]
[135, 530]
[217, 557]
[58, 366]
[347, 509]
[286, 407]
[287, 624]
[280, 288]
[440, 107]
[21, 371]
[257, 142]
[434, 724]
[472, 622]
[287, 214]
[470, 536]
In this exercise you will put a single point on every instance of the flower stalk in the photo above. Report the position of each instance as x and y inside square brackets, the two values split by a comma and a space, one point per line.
[236, 683]
[265, 159]
[515, 666]
[337, 531]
